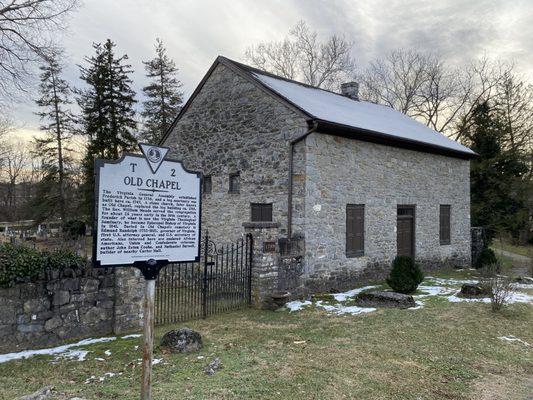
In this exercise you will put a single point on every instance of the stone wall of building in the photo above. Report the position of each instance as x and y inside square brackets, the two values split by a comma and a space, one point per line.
[69, 304]
[232, 126]
[380, 177]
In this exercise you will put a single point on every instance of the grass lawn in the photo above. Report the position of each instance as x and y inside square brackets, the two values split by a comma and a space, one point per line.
[441, 351]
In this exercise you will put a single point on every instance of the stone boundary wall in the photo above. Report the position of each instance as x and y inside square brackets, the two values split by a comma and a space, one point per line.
[69, 304]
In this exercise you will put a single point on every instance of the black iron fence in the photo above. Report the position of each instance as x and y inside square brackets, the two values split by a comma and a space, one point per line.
[221, 281]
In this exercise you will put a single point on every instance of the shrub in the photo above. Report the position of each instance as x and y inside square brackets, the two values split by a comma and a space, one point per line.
[486, 257]
[499, 287]
[60, 259]
[20, 263]
[405, 275]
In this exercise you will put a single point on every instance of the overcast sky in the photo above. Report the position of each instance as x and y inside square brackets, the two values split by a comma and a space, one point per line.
[196, 31]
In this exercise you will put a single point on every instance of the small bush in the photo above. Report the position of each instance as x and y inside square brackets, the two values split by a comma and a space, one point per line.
[20, 263]
[486, 257]
[405, 275]
[61, 259]
[499, 287]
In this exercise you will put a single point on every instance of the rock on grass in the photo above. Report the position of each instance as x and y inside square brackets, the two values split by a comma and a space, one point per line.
[182, 340]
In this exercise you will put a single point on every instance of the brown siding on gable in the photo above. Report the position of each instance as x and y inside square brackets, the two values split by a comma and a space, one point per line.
[355, 230]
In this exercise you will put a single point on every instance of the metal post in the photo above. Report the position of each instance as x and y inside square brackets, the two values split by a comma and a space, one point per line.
[150, 272]
[148, 308]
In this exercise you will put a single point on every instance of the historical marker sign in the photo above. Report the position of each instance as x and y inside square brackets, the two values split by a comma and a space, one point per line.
[147, 208]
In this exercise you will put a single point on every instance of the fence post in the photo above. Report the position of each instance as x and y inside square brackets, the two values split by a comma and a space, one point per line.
[250, 242]
[204, 286]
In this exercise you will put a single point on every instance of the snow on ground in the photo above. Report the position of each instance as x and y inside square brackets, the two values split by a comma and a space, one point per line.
[340, 309]
[64, 351]
[431, 287]
[132, 336]
[297, 305]
[512, 339]
[351, 293]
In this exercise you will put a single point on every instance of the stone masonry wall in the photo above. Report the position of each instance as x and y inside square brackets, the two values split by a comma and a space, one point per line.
[234, 127]
[69, 304]
[380, 177]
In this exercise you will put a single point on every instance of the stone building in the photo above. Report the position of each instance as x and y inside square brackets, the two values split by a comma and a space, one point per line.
[344, 185]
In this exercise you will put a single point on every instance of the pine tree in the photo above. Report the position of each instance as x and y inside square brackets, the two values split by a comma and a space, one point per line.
[496, 176]
[58, 127]
[163, 94]
[107, 110]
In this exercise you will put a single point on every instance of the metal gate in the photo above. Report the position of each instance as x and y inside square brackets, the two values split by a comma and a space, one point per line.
[219, 282]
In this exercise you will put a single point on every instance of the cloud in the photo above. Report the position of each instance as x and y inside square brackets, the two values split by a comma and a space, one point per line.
[196, 31]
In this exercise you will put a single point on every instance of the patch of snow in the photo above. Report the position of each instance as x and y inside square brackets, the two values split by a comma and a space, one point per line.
[351, 293]
[132, 336]
[102, 378]
[107, 352]
[54, 350]
[339, 109]
[73, 354]
[156, 361]
[514, 339]
[99, 359]
[297, 305]
[340, 309]
[449, 281]
[419, 305]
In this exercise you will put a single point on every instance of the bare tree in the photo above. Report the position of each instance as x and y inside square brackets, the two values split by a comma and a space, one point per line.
[303, 56]
[514, 101]
[423, 86]
[27, 29]
[16, 160]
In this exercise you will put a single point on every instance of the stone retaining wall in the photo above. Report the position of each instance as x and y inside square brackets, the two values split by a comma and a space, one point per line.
[69, 304]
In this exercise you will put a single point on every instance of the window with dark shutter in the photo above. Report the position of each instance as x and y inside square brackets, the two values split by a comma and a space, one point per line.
[355, 230]
[261, 212]
[235, 183]
[444, 231]
[208, 184]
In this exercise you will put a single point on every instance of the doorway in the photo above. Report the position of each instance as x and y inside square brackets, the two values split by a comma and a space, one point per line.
[406, 231]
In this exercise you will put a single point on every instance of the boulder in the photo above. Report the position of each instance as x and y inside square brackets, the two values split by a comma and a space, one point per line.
[384, 299]
[182, 340]
[41, 394]
[474, 290]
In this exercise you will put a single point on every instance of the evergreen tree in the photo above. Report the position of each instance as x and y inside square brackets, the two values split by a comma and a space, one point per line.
[107, 110]
[53, 148]
[163, 95]
[496, 176]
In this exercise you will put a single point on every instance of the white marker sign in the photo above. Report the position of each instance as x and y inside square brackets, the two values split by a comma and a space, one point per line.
[146, 208]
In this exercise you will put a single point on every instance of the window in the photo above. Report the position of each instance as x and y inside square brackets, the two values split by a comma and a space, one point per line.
[261, 212]
[208, 184]
[444, 231]
[355, 230]
[235, 183]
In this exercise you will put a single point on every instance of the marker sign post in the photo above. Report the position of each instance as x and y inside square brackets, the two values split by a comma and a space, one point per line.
[147, 214]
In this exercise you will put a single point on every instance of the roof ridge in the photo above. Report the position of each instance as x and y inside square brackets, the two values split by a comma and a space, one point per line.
[249, 68]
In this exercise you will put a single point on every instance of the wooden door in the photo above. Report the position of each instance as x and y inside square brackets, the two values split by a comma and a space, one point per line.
[406, 231]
